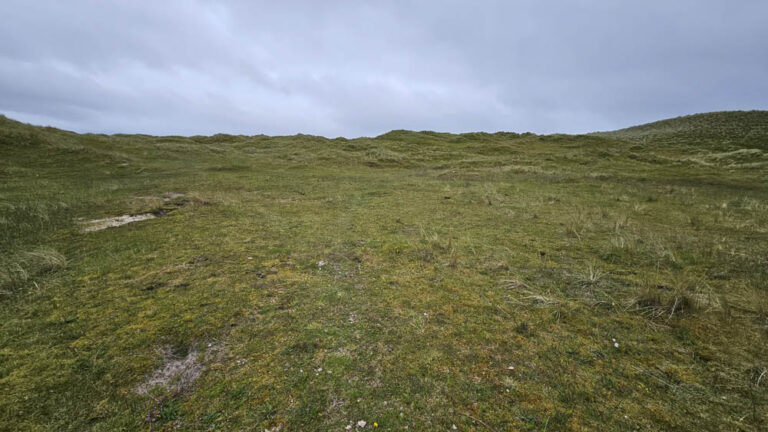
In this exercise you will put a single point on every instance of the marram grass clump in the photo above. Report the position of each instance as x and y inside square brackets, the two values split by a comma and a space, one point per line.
[20, 270]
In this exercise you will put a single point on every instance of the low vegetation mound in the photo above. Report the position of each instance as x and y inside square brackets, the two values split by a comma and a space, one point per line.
[739, 128]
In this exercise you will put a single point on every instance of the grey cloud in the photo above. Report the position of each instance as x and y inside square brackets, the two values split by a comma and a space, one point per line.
[365, 67]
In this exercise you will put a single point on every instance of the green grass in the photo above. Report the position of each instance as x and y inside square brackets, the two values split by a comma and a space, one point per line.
[317, 282]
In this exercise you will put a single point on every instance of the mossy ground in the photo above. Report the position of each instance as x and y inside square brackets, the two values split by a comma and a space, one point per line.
[393, 280]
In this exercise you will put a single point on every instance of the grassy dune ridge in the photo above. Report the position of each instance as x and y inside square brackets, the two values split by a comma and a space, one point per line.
[609, 281]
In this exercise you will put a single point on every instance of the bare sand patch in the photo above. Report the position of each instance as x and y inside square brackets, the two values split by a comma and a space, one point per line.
[169, 202]
[116, 221]
[175, 375]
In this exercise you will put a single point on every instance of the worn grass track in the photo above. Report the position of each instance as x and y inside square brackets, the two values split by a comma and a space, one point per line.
[614, 281]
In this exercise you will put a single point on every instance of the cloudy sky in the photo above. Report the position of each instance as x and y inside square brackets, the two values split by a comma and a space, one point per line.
[352, 68]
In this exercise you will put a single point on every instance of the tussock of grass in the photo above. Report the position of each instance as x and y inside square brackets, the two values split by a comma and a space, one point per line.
[19, 271]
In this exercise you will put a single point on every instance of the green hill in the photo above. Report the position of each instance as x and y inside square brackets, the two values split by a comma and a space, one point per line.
[609, 281]
[745, 129]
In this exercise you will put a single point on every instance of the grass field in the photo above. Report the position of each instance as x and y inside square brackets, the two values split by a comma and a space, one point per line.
[416, 280]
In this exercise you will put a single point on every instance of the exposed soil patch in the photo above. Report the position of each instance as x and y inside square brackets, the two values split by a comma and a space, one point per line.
[116, 221]
[170, 196]
[175, 375]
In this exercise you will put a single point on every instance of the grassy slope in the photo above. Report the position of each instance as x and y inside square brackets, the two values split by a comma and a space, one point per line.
[449, 258]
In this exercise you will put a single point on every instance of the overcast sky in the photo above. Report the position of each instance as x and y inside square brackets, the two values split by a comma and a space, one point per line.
[352, 68]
